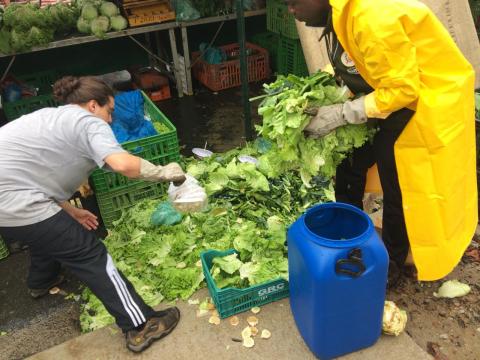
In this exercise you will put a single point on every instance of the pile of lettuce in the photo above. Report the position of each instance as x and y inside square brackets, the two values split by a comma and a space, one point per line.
[250, 205]
[284, 118]
[26, 25]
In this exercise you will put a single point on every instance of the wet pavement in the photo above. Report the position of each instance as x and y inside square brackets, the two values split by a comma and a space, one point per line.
[211, 120]
[32, 325]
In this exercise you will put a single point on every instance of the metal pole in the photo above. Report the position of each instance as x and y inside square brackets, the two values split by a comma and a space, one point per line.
[247, 121]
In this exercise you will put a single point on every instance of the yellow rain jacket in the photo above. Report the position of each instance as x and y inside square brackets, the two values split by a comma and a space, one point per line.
[403, 51]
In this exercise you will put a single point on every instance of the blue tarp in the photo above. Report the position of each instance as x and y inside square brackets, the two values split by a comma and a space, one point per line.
[129, 121]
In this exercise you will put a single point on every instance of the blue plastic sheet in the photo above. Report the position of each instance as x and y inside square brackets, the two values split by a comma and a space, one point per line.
[129, 121]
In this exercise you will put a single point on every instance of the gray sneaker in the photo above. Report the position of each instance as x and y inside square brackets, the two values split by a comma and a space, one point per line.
[38, 293]
[155, 328]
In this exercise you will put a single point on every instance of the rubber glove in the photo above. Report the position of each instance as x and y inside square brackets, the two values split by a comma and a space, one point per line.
[330, 117]
[168, 173]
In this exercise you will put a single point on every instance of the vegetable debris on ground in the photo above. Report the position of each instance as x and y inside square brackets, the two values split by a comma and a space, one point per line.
[249, 208]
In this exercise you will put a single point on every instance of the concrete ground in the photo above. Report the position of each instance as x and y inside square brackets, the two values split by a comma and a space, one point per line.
[195, 338]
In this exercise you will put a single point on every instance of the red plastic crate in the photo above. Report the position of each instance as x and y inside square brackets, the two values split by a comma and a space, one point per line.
[161, 94]
[227, 74]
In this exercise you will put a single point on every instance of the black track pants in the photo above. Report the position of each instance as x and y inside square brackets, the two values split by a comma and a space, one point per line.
[351, 178]
[61, 240]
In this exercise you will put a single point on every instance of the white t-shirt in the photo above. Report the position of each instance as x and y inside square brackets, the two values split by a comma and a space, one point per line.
[45, 156]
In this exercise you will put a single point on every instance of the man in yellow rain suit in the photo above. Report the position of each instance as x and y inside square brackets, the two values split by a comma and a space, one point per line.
[420, 88]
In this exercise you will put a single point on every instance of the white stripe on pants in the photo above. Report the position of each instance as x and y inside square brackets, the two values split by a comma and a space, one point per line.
[130, 306]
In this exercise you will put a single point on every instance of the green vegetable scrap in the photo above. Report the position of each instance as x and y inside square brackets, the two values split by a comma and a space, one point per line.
[160, 127]
[249, 207]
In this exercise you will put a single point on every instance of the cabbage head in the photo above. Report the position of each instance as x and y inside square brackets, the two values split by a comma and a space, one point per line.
[83, 26]
[109, 9]
[118, 23]
[100, 26]
[89, 12]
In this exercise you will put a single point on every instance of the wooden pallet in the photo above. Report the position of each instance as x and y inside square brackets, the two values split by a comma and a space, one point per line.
[143, 12]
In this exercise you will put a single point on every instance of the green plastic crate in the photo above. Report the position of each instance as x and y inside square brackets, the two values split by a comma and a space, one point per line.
[13, 110]
[3, 249]
[231, 301]
[112, 204]
[115, 192]
[159, 149]
[279, 20]
[269, 41]
[290, 58]
[43, 82]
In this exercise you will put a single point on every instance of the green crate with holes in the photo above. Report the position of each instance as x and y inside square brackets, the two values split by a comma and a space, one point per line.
[112, 203]
[231, 301]
[279, 20]
[42, 82]
[116, 192]
[269, 41]
[290, 59]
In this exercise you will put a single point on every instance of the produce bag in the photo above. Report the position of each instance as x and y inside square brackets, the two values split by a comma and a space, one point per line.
[165, 214]
[188, 197]
[129, 121]
[185, 11]
[212, 55]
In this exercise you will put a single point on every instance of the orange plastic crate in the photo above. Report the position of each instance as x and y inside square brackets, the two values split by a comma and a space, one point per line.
[161, 94]
[227, 74]
[143, 12]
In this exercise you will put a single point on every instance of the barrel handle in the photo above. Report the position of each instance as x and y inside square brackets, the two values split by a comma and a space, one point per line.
[355, 260]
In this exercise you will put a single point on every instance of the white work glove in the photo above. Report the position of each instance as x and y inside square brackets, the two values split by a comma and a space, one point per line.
[328, 118]
[189, 196]
[168, 173]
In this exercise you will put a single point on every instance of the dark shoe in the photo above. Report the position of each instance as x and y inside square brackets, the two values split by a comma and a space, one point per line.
[38, 293]
[155, 328]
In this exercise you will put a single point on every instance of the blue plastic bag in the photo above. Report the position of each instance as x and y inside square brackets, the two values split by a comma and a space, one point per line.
[129, 121]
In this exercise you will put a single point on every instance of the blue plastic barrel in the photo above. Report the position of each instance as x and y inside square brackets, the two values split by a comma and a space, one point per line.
[337, 278]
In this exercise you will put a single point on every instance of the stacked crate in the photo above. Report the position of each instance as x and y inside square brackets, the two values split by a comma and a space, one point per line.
[116, 192]
[290, 58]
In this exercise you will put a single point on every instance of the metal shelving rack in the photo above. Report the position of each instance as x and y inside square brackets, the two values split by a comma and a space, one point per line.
[240, 16]
[184, 29]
